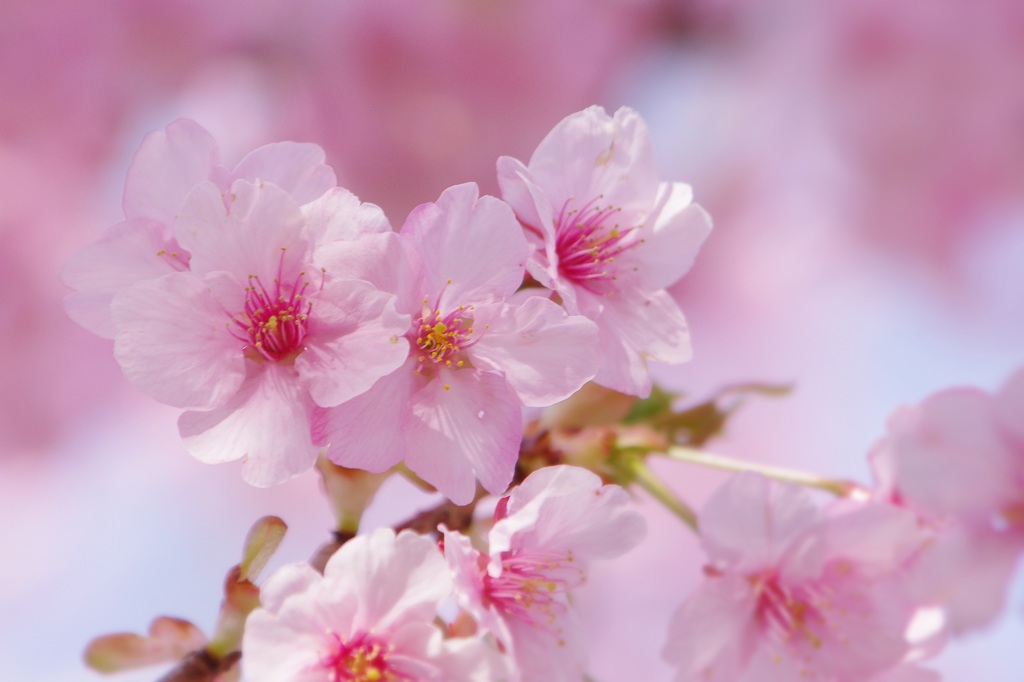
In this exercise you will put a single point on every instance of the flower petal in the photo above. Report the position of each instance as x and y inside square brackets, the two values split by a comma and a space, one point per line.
[397, 578]
[567, 509]
[356, 337]
[750, 521]
[633, 328]
[134, 250]
[711, 636]
[473, 249]
[296, 167]
[545, 354]
[266, 423]
[672, 235]
[468, 431]
[367, 432]
[952, 437]
[259, 231]
[338, 215]
[172, 344]
[168, 164]
[591, 154]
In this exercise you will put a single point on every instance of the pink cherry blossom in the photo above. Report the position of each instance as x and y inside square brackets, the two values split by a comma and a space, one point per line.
[368, 618]
[544, 537]
[253, 335]
[957, 459]
[793, 592]
[453, 411]
[609, 238]
[167, 166]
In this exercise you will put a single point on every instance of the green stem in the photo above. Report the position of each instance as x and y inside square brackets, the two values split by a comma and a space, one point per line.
[707, 459]
[646, 479]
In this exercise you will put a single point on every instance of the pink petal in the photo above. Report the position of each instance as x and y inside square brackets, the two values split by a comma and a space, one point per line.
[528, 201]
[568, 509]
[338, 215]
[266, 424]
[297, 168]
[470, 659]
[672, 235]
[356, 337]
[750, 521]
[473, 242]
[968, 571]
[382, 259]
[396, 579]
[953, 437]
[260, 232]
[285, 582]
[470, 431]
[556, 653]
[590, 154]
[128, 252]
[879, 538]
[367, 432]
[168, 164]
[711, 636]
[633, 328]
[545, 354]
[278, 648]
[172, 344]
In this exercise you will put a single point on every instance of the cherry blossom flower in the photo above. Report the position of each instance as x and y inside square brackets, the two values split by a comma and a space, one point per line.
[609, 238]
[368, 618]
[167, 166]
[544, 537]
[253, 335]
[453, 411]
[957, 459]
[792, 592]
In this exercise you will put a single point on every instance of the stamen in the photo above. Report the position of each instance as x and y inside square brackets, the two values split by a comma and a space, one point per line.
[587, 245]
[273, 322]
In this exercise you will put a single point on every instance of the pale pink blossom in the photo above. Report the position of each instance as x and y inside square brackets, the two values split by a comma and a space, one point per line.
[546, 533]
[453, 411]
[166, 167]
[609, 238]
[253, 334]
[793, 592]
[957, 459]
[369, 617]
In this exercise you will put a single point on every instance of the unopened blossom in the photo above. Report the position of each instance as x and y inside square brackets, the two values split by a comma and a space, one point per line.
[546, 533]
[957, 459]
[476, 355]
[608, 238]
[792, 592]
[253, 334]
[166, 167]
[368, 618]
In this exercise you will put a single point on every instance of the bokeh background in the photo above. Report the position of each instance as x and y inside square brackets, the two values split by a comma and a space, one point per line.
[863, 161]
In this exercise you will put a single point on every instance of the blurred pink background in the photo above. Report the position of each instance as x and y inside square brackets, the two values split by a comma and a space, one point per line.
[863, 161]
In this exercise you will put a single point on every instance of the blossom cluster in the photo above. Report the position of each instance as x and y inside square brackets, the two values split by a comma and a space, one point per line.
[286, 316]
[294, 326]
[371, 615]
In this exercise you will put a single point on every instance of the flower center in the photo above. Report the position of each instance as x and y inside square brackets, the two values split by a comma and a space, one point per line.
[532, 587]
[441, 338]
[274, 322]
[360, 659]
[790, 612]
[588, 241]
